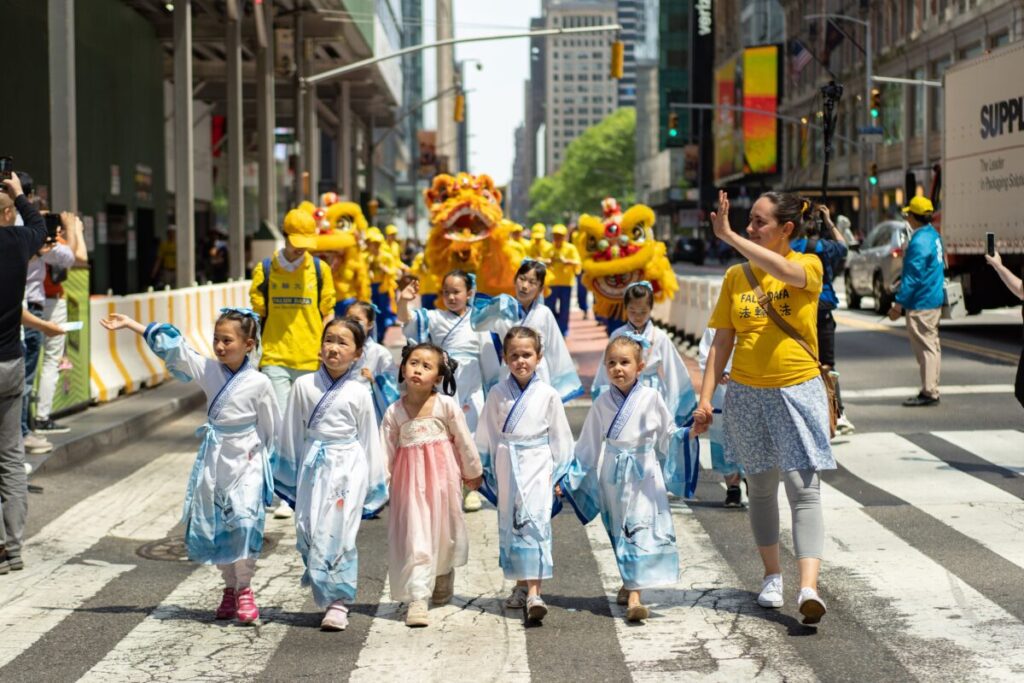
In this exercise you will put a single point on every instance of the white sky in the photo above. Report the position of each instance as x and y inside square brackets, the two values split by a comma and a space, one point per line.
[495, 107]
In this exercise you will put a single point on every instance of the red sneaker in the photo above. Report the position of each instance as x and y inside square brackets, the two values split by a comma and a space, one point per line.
[248, 612]
[227, 608]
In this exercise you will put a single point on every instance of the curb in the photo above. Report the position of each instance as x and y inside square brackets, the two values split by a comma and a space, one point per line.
[100, 430]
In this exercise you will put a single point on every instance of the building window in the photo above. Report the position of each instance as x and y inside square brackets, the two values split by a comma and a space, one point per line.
[971, 51]
[1000, 40]
[918, 97]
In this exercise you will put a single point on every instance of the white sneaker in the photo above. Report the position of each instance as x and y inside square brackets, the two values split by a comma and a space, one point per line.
[536, 610]
[283, 511]
[472, 502]
[517, 599]
[37, 445]
[844, 426]
[335, 618]
[811, 606]
[771, 591]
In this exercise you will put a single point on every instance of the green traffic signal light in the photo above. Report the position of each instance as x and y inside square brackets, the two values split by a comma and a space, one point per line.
[673, 132]
[874, 113]
[873, 180]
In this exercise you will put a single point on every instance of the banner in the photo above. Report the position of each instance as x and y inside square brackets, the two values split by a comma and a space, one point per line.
[73, 379]
[725, 122]
[761, 91]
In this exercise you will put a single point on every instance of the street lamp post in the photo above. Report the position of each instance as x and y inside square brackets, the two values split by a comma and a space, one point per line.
[866, 215]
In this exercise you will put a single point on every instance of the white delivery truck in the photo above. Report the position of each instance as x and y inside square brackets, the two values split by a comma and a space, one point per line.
[983, 171]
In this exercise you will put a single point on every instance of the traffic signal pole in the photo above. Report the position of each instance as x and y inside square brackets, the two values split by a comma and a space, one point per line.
[332, 74]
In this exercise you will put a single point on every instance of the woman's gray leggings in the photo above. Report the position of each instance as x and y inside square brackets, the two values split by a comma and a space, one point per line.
[804, 494]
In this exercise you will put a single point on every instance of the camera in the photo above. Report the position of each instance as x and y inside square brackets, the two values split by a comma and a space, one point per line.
[6, 167]
[53, 224]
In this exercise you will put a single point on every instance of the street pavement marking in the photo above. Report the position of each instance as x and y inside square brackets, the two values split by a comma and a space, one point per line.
[975, 508]
[1002, 447]
[705, 628]
[942, 629]
[994, 354]
[51, 586]
[180, 641]
[951, 390]
[471, 639]
[27, 618]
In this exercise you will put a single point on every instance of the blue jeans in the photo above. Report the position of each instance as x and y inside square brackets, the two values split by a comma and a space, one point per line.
[386, 318]
[582, 295]
[428, 302]
[558, 302]
[33, 346]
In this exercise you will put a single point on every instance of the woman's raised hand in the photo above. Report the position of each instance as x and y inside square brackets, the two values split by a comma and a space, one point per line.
[720, 218]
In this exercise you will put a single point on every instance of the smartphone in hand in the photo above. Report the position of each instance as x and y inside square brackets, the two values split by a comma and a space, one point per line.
[990, 243]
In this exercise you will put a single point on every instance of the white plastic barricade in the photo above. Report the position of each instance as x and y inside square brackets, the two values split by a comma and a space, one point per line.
[122, 362]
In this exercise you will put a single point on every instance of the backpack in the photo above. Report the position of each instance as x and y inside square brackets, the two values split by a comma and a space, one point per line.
[265, 285]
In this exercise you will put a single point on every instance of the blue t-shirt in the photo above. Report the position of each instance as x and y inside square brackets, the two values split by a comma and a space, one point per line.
[831, 253]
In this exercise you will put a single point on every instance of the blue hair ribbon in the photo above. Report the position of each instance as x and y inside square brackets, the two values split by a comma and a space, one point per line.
[373, 307]
[643, 283]
[247, 312]
[472, 280]
[643, 341]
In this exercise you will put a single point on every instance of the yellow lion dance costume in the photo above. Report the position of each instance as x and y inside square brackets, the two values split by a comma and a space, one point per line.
[342, 227]
[619, 250]
[467, 232]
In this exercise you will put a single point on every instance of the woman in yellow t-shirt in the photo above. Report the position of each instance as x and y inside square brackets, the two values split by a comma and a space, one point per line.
[777, 403]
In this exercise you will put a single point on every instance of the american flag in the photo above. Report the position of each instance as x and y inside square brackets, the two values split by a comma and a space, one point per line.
[799, 56]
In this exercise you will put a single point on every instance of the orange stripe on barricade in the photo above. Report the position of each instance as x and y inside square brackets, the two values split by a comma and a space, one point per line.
[101, 388]
[140, 344]
[115, 356]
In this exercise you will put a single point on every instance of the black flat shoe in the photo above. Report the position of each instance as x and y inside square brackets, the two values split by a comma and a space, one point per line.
[920, 401]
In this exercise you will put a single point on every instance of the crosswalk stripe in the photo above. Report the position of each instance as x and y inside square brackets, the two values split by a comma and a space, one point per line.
[886, 581]
[1002, 447]
[25, 620]
[51, 585]
[181, 641]
[947, 390]
[470, 639]
[973, 507]
[695, 621]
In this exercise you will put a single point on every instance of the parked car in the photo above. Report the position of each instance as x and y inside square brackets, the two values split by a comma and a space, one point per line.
[688, 249]
[874, 266]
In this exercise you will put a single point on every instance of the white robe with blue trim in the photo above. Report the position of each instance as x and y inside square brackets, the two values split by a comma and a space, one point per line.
[383, 372]
[663, 370]
[503, 312]
[526, 446]
[479, 365]
[332, 468]
[628, 454]
[231, 482]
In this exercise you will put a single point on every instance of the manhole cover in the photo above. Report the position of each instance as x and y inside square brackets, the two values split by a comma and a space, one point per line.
[172, 548]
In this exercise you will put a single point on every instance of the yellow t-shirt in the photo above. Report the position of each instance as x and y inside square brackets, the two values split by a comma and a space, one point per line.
[167, 254]
[537, 248]
[291, 336]
[562, 274]
[396, 249]
[765, 356]
[429, 283]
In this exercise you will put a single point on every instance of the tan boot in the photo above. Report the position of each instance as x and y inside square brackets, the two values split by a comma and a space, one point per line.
[444, 588]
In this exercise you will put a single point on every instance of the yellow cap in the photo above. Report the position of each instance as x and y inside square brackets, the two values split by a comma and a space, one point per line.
[559, 229]
[374, 235]
[300, 228]
[921, 206]
[538, 230]
[390, 230]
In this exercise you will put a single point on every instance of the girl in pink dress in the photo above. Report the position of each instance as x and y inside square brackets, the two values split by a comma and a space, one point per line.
[431, 454]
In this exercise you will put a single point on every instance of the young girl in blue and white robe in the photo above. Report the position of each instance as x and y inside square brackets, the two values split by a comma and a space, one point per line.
[526, 446]
[629, 454]
[451, 330]
[332, 468]
[376, 366]
[722, 461]
[663, 366]
[502, 313]
[231, 482]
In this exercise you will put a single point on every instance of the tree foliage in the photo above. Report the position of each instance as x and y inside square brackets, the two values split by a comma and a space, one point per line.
[598, 164]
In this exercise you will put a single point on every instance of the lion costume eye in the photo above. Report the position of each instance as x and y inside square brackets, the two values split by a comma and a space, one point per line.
[639, 233]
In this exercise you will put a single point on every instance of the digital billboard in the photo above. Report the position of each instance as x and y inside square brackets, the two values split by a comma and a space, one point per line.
[747, 143]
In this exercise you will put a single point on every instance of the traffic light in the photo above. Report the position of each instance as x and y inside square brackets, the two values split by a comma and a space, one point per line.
[673, 124]
[460, 108]
[876, 103]
[873, 177]
[618, 57]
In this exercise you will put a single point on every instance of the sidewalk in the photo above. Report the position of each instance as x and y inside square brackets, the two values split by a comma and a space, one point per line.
[109, 426]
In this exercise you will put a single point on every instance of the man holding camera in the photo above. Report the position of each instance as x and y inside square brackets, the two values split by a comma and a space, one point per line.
[830, 247]
[18, 244]
[921, 295]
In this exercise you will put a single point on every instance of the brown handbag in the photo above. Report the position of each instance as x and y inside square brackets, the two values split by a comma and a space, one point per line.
[826, 372]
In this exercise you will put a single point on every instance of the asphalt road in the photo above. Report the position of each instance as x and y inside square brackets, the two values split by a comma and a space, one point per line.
[922, 574]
